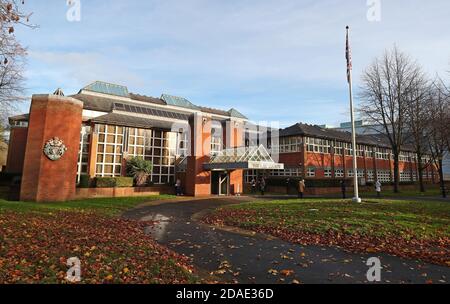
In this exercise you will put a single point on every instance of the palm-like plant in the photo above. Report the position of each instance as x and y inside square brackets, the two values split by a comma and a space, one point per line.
[140, 169]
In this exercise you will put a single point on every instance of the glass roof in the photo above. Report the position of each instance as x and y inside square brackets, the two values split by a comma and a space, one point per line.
[255, 157]
[107, 88]
[178, 101]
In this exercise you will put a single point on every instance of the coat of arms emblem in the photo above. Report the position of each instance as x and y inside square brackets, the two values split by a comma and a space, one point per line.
[54, 149]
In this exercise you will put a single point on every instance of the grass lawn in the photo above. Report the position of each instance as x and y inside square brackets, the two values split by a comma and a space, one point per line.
[36, 240]
[410, 229]
[103, 206]
[430, 192]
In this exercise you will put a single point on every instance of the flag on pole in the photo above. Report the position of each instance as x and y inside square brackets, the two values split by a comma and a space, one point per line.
[348, 56]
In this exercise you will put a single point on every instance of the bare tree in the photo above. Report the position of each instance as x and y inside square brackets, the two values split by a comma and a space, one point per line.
[11, 76]
[12, 56]
[385, 91]
[417, 116]
[438, 124]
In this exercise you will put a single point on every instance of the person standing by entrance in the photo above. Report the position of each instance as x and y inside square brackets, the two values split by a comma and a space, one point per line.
[343, 189]
[178, 190]
[301, 188]
[288, 182]
[253, 185]
[378, 188]
[262, 185]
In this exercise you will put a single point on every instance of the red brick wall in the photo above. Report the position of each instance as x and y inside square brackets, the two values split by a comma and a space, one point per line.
[236, 182]
[16, 150]
[44, 180]
[198, 181]
[321, 161]
[291, 159]
[85, 193]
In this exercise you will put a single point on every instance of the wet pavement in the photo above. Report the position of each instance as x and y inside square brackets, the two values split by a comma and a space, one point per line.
[237, 258]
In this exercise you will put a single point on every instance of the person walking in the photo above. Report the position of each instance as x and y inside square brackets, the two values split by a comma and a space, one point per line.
[178, 190]
[301, 188]
[343, 189]
[288, 182]
[253, 185]
[378, 188]
[262, 186]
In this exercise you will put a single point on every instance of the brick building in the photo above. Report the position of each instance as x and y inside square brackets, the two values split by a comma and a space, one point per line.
[94, 132]
[314, 152]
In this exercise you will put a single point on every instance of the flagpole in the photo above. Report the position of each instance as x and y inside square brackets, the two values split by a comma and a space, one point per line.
[356, 199]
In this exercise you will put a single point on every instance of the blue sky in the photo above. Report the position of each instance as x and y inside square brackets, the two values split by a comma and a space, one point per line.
[273, 60]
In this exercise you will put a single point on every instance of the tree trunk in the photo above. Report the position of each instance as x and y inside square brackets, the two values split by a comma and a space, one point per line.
[396, 173]
[441, 179]
[420, 169]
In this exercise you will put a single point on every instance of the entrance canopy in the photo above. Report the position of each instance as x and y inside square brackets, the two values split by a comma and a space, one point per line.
[243, 158]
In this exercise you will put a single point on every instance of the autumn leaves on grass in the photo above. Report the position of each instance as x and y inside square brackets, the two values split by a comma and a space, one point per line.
[415, 230]
[34, 248]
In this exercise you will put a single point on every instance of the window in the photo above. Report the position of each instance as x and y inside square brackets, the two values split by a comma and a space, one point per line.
[311, 172]
[216, 140]
[370, 176]
[339, 173]
[287, 172]
[156, 146]
[182, 147]
[382, 153]
[291, 144]
[348, 149]
[369, 151]
[249, 175]
[360, 173]
[23, 124]
[109, 150]
[405, 176]
[318, 145]
[384, 176]
[83, 153]
[406, 156]
[350, 173]
[327, 172]
[359, 150]
[338, 148]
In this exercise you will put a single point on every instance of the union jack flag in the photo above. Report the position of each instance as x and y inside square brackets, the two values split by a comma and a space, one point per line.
[348, 56]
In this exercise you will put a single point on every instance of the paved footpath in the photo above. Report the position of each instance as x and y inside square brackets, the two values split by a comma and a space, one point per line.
[238, 258]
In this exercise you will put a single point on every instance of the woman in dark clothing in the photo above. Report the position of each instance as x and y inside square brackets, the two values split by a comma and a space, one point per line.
[343, 189]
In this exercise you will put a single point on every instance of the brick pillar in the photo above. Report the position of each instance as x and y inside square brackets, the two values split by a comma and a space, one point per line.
[45, 180]
[198, 181]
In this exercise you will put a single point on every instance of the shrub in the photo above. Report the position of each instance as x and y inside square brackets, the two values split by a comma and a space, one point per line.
[105, 182]
[113, 182]
[122, 182]
[139, 169]
[84, 181]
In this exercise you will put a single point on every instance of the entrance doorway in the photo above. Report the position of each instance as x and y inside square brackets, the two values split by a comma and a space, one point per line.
[220, 183]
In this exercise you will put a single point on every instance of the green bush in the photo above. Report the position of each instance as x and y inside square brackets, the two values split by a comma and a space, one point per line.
[123, 182]
[113, 182]
[84, 181]
[140, 169]
[105, 182]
